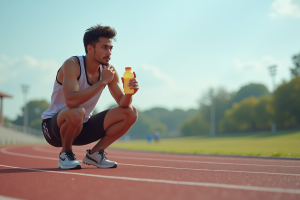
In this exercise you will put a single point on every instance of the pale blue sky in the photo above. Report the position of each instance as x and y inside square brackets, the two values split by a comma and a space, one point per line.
[178, 49]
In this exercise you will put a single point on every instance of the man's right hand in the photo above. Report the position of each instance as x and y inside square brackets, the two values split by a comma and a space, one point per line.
[107, 74]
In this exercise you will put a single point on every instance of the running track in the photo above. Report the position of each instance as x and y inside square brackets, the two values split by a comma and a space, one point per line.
[30, 172]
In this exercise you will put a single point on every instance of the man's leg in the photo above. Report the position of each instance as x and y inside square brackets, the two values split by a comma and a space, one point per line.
[70, 123]
[116, 123]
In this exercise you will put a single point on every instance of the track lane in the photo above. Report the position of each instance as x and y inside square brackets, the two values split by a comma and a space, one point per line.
[228, 177]
[62, 186]
[167, 174]
[153, 156]
[287, 172]
[260, 169]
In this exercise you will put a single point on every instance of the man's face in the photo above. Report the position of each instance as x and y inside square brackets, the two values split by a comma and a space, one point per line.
[102, 50]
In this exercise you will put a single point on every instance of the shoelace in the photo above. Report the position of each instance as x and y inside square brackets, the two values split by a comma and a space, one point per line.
[103, 153]
[70, 156]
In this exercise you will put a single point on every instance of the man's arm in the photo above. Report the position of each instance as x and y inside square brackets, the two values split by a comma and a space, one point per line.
[116, 90]
[73, 96]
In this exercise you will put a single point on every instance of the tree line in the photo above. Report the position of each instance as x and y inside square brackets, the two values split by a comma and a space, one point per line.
[251, 108]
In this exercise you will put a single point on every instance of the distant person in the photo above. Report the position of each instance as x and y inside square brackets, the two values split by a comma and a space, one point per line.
[149, 138]
[78, 85]
[156, 136]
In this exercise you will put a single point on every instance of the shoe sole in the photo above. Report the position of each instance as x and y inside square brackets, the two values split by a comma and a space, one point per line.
[102, 166]
[96, 165]
[63, 167]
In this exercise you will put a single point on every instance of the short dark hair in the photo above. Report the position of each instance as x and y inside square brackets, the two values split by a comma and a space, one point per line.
[91, 35]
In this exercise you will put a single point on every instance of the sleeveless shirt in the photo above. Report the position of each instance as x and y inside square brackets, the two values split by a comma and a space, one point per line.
[57, 98]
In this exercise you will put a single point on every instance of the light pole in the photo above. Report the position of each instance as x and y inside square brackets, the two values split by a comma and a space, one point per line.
[25, 90]
[212, 113]
[273, 73]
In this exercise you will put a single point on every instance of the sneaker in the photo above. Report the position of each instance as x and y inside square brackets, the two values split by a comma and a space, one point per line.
[98, 159]
[67, 160]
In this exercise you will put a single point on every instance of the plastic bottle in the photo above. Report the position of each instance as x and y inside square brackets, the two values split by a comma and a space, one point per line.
[127, 76]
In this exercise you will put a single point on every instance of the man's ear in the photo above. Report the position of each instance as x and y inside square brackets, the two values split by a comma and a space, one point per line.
[90, 48]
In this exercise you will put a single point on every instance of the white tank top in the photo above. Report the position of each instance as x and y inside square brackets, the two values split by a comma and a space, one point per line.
[57, 98]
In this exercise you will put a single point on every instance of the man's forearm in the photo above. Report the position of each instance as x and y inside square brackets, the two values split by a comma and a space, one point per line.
[125, 100]
[79, 97]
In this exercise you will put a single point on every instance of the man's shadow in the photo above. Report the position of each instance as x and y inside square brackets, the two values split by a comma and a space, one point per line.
[11, 171]
[18, 170]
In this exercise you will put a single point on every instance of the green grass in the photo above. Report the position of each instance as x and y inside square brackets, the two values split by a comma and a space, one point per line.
[281, 144]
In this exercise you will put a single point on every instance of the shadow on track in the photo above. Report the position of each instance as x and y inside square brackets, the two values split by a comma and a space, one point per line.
[11, 171]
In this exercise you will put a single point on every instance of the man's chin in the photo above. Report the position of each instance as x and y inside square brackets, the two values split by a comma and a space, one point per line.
[104, 63]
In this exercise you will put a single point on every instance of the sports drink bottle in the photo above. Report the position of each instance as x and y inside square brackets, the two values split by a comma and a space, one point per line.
[127, 76]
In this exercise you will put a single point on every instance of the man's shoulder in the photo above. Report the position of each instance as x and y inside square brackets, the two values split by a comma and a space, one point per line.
[72, 60]
[71, 65]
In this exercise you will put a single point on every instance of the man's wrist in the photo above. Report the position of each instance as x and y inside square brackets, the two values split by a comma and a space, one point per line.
[128, 95]
[102, 83]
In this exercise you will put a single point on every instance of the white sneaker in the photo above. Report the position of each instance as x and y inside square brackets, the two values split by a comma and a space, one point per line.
[67, 160]
[98, 159]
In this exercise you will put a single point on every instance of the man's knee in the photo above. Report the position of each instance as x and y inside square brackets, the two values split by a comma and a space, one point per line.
[132, 114]
[76, 116]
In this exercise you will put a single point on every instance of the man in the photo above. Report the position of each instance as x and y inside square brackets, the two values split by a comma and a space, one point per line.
[79, 83]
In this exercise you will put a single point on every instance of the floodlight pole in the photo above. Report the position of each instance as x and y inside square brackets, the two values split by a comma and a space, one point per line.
[273, 73]
[25, 120]
[212, 113]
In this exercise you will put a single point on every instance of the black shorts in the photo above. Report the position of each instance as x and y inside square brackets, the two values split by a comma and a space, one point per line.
[92, 130]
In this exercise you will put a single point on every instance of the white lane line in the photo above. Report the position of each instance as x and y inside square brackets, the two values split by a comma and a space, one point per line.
[218, 185]
[7, 198]
[168, 160]
[3, 150]
[211, 170]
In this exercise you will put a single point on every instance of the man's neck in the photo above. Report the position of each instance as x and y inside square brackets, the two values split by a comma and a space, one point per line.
[91, 65]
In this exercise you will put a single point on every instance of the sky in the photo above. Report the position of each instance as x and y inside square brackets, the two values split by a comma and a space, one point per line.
[178, 49]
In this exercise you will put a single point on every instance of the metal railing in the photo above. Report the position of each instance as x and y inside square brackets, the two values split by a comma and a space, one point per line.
[8, 141]
[28, 130]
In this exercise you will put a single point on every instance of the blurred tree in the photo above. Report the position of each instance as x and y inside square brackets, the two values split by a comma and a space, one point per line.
[296, 70]
[195, 125]
[250, 114]
[287, 103]
[161, 119]
[241, 116]
[35, 109]
[200, 123]
[252, 89]
[7, 120]
[264, 112]
[222, 99]
[145, 125]
[171, 119]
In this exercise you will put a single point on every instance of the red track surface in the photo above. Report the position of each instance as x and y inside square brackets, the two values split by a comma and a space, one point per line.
[30, 172]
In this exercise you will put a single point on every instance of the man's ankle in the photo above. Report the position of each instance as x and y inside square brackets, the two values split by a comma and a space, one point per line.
[63, 150]
[92, 151]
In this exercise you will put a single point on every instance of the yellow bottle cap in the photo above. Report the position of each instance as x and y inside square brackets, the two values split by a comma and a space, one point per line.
[127, 68]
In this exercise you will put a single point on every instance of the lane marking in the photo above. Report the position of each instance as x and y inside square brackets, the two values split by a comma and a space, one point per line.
[8, 198]
[3, 150]
[212, 170]
[218, 185]
[169, 160]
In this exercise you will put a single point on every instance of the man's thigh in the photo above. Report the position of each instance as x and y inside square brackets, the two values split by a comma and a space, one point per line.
[92, 130]
[70, 114]
[117, 114]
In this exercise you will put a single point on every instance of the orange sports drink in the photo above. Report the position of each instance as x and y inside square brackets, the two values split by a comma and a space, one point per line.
[127, 76]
